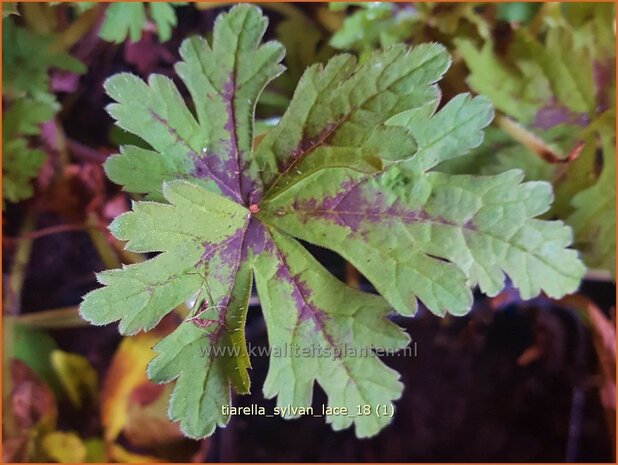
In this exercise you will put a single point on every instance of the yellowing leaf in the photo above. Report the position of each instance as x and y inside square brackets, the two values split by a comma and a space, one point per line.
[78, 378]
[126, 372]
[64, 447]
[147, 423]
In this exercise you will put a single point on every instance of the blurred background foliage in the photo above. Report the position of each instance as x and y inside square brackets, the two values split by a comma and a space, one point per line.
[74, 394]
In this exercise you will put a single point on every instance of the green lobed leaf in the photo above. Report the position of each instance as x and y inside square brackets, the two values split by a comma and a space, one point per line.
[206, 363]
[128, 20]
[213, 148]
[123, 20]
[309, 311]
[338, 114]
[165, 19]
[189, 232]
[26, 63]
[481, 225]
[447, 134]
[200, 234]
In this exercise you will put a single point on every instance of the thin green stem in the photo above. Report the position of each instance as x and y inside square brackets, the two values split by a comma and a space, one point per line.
[57, 318]
[108, 255]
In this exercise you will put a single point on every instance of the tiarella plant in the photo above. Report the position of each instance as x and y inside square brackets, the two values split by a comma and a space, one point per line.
[348, 167]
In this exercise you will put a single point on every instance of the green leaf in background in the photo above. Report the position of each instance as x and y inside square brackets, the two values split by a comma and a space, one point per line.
[594, 218]
[548, 81]
[375, 25]
[26, 63]
[348, 166]
[164, 17]
[518, 12]
[24, 117]
[127, 20]
[559, 87]
[508, 88]
[20, 163]
[123, 20]
[28, 103]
